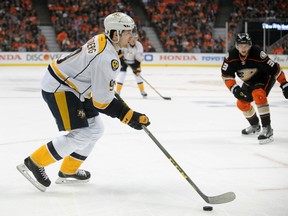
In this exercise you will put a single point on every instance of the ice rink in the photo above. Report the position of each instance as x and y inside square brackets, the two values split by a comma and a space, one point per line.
[200, 127]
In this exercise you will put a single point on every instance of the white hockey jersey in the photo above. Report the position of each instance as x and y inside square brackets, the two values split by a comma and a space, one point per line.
[88, 71]
[132, 53]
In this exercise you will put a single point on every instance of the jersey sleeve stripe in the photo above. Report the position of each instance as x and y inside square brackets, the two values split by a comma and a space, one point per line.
[99, 105]
[229, 82]
[62, 76]
[280, 77]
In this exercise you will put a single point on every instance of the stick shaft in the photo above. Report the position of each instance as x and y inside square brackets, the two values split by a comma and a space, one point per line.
[176, 165]
[166, 98]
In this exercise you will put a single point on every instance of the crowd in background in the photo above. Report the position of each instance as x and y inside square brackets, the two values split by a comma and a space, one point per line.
[182, 26]
[261, 9]
[252, 9]
[19, 27]
[76, 21]
[185, 26]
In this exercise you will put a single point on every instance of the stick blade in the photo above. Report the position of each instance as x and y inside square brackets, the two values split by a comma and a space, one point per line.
[167, 98]
[223, 198]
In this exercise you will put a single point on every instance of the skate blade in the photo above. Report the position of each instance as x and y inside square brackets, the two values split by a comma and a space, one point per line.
[70, 181]
[266, 141]
[25, 172]
[251, 134]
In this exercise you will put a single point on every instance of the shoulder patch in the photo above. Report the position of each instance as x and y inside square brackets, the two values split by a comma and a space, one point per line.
[263, 55]
[114, 64]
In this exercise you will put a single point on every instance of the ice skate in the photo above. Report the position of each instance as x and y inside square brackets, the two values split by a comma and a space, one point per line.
[81, 176]
[41, 180]
[266, 135]
[251, 129]
[144, 94]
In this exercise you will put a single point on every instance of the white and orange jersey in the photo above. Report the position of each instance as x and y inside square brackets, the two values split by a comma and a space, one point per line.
[133, 52]
[88, 71]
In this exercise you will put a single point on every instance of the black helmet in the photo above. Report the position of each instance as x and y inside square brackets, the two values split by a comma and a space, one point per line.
[243, 38]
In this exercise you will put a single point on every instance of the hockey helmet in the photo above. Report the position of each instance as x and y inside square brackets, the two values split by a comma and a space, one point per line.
[118, 22]
[243, 38]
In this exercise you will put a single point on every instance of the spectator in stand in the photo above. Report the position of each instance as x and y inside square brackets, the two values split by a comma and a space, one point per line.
[196, 49]
[61, 36]
[285, 45]
[278, 50]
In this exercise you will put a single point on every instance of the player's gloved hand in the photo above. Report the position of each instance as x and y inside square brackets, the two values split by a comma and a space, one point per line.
[137, 71]
[136, 67]
[241, 94]
[284, 87]
[133, 119]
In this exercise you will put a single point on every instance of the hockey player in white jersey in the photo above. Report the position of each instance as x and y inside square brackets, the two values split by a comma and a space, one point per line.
[131, 56]
[76, 87]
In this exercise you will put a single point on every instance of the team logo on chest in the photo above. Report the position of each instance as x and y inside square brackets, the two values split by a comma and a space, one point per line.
[114, 64]
[81, 114]
[247, 73]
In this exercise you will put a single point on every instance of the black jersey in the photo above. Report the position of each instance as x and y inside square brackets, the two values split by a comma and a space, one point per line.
[255, 67]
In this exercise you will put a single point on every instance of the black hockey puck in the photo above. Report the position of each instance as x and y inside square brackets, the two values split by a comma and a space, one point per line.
[207, 208]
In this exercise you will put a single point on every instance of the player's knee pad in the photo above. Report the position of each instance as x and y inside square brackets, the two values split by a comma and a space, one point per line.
[244, 106]
[96, 127]
[64, 145]
[74, 140]
[259, 96]
[82, 138]
[79, 137]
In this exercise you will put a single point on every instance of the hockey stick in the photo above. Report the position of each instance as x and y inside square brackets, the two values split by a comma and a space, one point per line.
[220, 199]
[165, 98]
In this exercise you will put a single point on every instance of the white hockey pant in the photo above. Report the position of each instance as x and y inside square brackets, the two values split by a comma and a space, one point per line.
[80, 141]
[122, 77]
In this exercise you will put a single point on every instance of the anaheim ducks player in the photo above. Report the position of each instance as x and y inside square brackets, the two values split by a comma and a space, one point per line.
[76, 87]
[258, 73]
[131, 56]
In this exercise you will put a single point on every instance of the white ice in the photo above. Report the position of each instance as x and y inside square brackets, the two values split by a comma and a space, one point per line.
[200, 127]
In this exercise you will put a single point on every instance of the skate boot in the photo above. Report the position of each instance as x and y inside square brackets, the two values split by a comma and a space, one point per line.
[144, 94]
[266, 135]
[81, 176]
[42, 180]
[251, 129]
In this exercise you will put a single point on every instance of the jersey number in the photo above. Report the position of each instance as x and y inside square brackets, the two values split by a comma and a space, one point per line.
[111, 85]
[224, 66]
[270, 63]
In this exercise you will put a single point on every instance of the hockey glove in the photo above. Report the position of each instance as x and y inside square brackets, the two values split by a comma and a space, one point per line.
[133, 119]
[284, 87]
[136, 68]
[241, 94]
[137, 71]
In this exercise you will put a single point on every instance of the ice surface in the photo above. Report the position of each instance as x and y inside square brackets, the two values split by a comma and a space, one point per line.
[200, 127]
